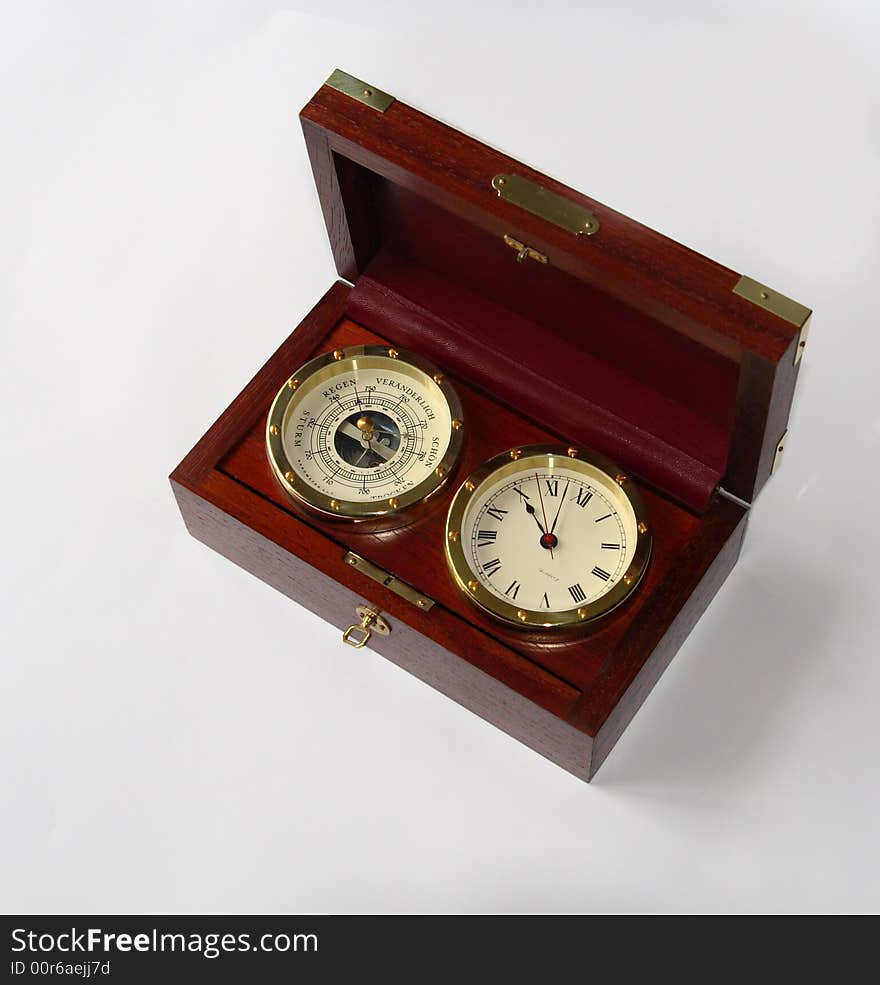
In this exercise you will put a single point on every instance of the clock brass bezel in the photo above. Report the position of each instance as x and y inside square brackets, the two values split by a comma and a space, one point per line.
[312, 500]
[510, 462]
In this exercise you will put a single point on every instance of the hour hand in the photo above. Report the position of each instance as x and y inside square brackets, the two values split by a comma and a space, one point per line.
[530, 509]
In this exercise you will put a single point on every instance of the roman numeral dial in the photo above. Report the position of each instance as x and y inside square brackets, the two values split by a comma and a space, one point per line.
[547, 538]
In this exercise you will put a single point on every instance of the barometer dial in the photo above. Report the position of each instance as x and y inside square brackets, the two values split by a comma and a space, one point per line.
[364, 432]
[547, 537]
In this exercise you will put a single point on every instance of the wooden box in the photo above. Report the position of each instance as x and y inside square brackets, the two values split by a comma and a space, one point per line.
[558, 319]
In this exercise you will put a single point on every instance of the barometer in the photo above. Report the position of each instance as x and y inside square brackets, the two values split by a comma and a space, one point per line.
[364, 433]
[547, 538]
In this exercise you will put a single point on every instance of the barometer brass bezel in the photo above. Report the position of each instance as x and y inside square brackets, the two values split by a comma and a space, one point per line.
[595, 467]
[409, 364]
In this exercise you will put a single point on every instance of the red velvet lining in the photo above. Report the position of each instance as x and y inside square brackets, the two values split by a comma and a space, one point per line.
[565, 380]
[554, 301]
[576, 360]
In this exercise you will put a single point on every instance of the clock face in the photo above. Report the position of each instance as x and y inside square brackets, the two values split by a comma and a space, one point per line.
[364, 432]
[547, 537]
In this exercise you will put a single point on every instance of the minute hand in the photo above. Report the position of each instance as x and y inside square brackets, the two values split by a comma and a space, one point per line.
[556, 518]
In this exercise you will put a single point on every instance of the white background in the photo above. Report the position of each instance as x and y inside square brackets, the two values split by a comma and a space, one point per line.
[179, 737]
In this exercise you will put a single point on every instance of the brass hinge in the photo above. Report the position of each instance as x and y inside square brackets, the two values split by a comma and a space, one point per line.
[779, 305]
[362, 91]
[548, 205]
[780, 448]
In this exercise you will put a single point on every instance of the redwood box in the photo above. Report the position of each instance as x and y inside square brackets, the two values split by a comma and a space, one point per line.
[558, 319]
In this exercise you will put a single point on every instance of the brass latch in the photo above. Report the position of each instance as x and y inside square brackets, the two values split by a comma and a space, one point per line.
[524, 252]
[386, 580]
[370, 621]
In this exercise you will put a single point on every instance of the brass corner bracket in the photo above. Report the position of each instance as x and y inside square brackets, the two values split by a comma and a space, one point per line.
[362, 91]
[777, 304]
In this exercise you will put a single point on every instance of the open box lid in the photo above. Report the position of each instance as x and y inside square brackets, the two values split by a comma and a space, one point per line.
[606, 331]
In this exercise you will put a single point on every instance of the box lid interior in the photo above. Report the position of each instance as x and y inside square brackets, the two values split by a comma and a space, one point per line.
[617, 337]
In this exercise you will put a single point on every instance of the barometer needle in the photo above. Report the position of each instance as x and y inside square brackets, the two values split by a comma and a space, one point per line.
[383, 451]
[351, 431]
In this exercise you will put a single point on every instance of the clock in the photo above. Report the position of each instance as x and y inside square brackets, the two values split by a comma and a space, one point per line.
[365, 433]
[547, 538]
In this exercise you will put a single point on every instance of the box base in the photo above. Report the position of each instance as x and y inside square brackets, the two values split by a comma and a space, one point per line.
[568, 702]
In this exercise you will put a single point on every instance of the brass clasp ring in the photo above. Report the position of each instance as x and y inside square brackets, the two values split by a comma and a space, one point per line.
[358, 634]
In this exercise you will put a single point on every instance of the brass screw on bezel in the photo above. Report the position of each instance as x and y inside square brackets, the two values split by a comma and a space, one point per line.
[457, 424]
[516, 453]
[643, 528]
[394, 502]
[290, 476]
[338, 354]
[274, 430]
